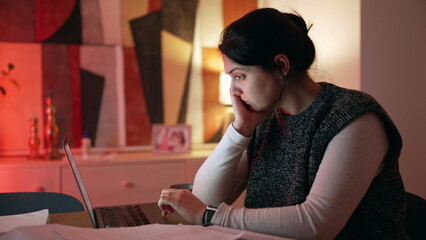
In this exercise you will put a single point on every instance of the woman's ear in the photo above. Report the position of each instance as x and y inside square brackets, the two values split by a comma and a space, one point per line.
[283, 63]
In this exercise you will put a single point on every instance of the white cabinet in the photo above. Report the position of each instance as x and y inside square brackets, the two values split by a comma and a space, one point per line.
[125, 178]
[113, 184]
[29, 179]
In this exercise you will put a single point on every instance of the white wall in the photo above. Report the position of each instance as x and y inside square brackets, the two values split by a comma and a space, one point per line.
[378, 47]
[336, 34]
[393, 70]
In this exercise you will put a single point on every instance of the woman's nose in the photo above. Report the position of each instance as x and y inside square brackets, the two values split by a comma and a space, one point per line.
[234, 88]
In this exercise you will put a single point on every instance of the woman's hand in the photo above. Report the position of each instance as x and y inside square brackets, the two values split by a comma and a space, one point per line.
[184, 202]
[246, 120]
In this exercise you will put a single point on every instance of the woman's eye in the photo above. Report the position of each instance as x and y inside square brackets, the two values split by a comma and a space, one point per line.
[238, 77]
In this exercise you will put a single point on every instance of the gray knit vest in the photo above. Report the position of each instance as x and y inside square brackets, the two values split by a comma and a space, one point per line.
[286, 152]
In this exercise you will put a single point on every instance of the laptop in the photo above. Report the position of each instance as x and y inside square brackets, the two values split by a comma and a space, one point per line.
[120, 215]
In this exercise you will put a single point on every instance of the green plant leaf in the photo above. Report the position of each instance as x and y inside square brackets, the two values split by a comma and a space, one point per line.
[2, 90]
[14, 82]
[11, 66]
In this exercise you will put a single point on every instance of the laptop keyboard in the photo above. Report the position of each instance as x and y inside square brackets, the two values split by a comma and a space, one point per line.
[123, 216]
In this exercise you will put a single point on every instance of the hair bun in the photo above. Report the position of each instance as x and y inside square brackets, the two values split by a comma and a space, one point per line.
[257, 37]
[299, 22]
[308, 56]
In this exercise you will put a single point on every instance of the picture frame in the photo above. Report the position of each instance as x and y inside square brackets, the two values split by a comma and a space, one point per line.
[171, 138]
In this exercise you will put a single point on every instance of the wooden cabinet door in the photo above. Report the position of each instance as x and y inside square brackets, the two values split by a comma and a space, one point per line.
[123, 183]
[29, 179]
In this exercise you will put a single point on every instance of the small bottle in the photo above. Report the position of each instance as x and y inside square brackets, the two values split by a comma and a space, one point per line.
[34, 140]
[86, 145]
[51, 131]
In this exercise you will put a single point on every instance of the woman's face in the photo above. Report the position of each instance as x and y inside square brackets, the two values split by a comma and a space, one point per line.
[257, 88]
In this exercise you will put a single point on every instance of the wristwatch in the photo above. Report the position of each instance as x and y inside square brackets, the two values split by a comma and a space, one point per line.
[208, 215]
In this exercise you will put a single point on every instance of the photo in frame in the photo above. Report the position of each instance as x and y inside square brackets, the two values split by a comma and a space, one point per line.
[171, 138]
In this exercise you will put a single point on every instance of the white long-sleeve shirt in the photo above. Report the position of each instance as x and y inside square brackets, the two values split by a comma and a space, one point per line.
[351, 161]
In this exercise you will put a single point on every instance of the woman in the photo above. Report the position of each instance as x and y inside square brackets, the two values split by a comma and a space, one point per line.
[318, 161]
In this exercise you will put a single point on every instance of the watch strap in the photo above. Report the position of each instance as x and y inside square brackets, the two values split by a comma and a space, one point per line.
[208, 215]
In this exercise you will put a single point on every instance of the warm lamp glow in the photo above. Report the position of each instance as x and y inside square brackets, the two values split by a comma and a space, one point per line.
[224, 84]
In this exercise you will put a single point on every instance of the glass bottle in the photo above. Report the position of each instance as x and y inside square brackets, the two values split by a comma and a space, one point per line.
[51, 131]
[34, 140]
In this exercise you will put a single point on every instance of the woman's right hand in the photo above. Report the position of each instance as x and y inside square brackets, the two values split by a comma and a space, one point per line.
[246, 120]
[184, 202]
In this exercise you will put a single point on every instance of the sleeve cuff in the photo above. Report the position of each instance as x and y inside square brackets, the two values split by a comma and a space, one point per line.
[221, 211]
[236, 137]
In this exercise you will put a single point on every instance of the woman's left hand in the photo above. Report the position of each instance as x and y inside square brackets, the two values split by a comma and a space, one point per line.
[184, 202]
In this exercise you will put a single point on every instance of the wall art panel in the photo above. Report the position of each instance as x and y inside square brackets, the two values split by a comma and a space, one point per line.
[58, 21]
[111, 22]
[138, 128]
[148, 61]
[131, 9]
[146, 33]
[91, 22]
[179, 17]
[20, 104]
[57, 82]
[75, 78]
[17, 13]
[176, 59]
[155, 5]
[102, 61]
[92, 88]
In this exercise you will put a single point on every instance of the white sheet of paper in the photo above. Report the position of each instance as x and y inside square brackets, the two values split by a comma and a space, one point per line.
[151, 232]
[10, 222]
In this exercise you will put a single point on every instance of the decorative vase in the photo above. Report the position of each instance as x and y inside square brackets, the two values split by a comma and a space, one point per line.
[34, 140]
[51, 131]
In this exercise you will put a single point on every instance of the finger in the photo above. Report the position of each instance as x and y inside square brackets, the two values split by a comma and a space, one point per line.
[168, 208]
[165, 195]
[240, 108]
[164, 205]
[165, 209]
[235, 100]
[168, 192]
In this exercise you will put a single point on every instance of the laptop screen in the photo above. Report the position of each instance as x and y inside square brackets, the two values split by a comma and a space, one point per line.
[79, 180]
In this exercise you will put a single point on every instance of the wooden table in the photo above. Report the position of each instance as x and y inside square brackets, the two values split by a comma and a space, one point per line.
[82, 219]
[77, 219]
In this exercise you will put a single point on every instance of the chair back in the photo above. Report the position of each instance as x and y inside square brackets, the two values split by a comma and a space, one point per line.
[416, 216]
[182, 186]
[24, 202]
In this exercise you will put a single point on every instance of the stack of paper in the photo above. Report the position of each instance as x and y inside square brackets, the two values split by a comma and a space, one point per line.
[150, 231]
[10, 222]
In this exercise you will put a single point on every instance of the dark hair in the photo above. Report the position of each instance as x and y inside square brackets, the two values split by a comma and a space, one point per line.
[256, 38]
